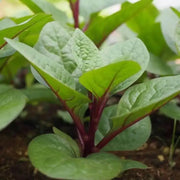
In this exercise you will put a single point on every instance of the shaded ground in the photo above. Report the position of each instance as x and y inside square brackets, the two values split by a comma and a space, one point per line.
[15, 165]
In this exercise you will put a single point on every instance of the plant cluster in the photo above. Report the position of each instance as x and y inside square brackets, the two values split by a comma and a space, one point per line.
[84, 76]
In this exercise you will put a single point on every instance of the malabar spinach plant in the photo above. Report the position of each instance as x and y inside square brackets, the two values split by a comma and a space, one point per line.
[84, 77]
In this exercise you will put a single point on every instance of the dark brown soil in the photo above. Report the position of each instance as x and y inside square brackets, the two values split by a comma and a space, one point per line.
[15, 165]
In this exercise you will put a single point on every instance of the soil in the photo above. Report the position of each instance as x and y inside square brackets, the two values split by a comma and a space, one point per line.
[35, 120]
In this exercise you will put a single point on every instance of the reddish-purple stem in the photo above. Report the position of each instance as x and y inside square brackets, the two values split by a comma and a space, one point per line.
[75, 11]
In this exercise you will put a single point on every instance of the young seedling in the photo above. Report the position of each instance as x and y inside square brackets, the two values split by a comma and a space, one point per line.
[81, 76]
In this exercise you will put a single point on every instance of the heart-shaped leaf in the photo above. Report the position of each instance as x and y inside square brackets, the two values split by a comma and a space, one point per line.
[142, 99]
[12, 103]
[52, 156]
[132, 49]
[60, 81]
[105, 79]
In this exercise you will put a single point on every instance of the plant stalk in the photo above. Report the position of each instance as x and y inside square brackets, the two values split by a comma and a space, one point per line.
[75, 11]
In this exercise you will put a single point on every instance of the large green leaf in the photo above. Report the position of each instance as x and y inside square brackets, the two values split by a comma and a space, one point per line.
[142, 99]
[52, 155]
[14, 31]
[105, 79]
[46, 7]
[101, 27]
[12, 103]
[130, 139]
[132, 49]
[53, 73]
[93, 6]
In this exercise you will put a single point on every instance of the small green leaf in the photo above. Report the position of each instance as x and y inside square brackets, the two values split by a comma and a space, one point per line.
[54, 73]
[142, 99]
[12, 103]
[132, 49]
[104, 79]
[171, 110]
[54, 158]
[130, 164]
[101, 27]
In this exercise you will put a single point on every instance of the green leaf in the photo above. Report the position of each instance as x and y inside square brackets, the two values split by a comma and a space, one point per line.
[130, 164]
[93, 6]
[80, 54]
[12, 103]
[104, 79]
[171, 110]
[53, 73]
[132, 49]
[177, 37]
[32, 6]
[39, 94]
[52, 39]
[158, 66]
[142, 99]
[101, 27]
[130, 139]
[52, 156]
[7, 50]
[149, 31]
[169, 21]
[46, 7]
[14, 31]
[69, 141]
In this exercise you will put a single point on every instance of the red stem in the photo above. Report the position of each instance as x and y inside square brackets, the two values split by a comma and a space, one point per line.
[75, 11]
